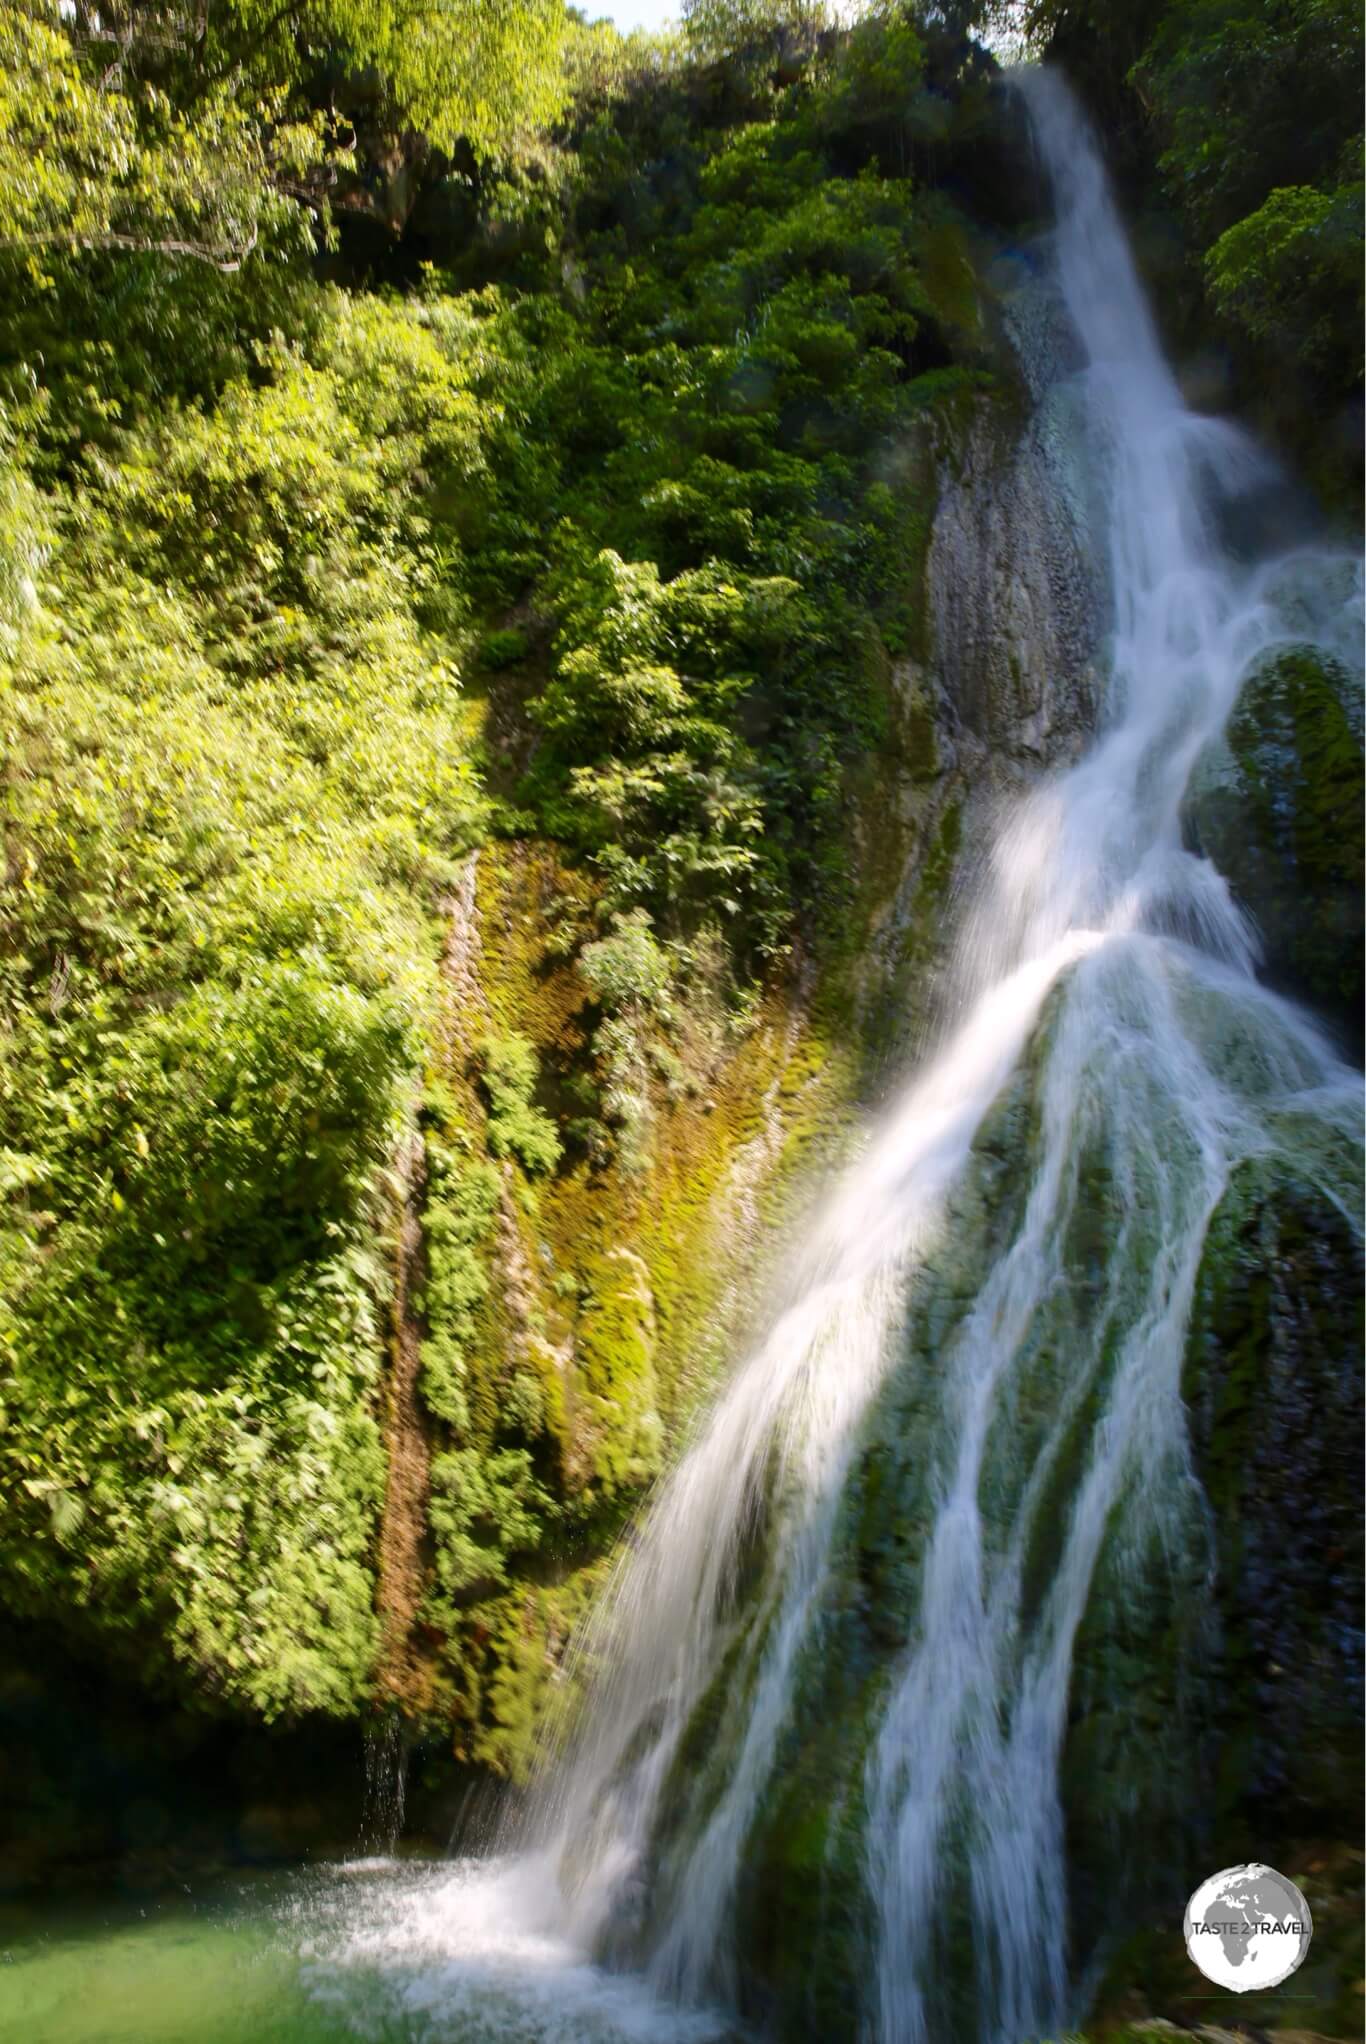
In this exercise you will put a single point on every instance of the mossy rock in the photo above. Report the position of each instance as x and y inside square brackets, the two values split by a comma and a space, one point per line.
[1270, 1693]
[804, 1913]
[615, 1353]
[1277, 806]
[1273, 1379]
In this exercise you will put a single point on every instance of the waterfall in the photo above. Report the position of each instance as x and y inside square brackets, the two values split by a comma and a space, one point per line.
[386, 1782]
[1164, 1056]
[1112, 967]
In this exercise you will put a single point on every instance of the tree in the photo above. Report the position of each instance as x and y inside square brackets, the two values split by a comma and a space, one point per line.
[483, 71]
[109, 160]
[1291, 274]
[717, 29]
[200, 135]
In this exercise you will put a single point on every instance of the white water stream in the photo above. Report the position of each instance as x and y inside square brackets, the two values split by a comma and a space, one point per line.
[1159, 1051]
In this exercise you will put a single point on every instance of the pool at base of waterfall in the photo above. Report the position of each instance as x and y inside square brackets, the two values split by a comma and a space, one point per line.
[370, 1951]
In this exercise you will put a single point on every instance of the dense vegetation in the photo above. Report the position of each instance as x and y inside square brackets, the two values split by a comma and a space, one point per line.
[1243, 120]
[257, 528]
[422, 430]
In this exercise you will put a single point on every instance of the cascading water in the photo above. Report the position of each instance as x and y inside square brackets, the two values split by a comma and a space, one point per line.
[1107, 970]
[1166, 1058]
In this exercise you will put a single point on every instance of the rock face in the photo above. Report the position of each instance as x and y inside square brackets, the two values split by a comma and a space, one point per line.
[1216, 1686]
[1006, 690]
[1277, 806]
[1272, 1692]
[1273, 1381]
[1013, 591]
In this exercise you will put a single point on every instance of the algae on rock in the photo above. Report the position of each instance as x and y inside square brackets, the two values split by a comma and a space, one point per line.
[1278, 808]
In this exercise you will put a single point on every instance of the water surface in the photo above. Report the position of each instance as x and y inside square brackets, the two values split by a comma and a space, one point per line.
[379, 1951]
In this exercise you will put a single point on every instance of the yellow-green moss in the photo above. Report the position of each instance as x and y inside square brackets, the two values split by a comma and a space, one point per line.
[596, 1294]
[614, 1353]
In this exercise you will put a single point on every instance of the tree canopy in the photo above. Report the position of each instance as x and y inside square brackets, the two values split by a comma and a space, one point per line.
[149, 127]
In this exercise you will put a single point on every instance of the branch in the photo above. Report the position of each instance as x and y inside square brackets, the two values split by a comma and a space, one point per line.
[201, 252]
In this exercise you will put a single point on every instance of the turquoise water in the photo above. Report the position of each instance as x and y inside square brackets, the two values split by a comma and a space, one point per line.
[210, 1967]
[376, 1951]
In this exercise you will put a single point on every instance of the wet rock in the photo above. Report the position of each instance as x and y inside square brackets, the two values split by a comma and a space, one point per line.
[1005, 689]
[1273, 1380]
[1277, 806]
[1014, 589]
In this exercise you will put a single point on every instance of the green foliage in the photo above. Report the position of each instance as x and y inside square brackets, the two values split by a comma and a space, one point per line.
[251, 527]
[877, 78]
[502, 649]
[457, 1217]
[1260, 113]
[466, 71]
[25, 536]
[1251, 99]
[670, 811]
[1254, 114]
[507, 1072]
[92, 158]
[722, 436]
[235, 766]
[727, 29]
[201, 141]
[484, 1510]
[1291, 272]
[630, 967]
[631, 974]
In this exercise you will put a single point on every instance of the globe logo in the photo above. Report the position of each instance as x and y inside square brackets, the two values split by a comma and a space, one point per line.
[1248, 1928]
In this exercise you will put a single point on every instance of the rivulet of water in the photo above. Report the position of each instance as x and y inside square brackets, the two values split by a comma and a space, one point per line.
[1116, 963]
